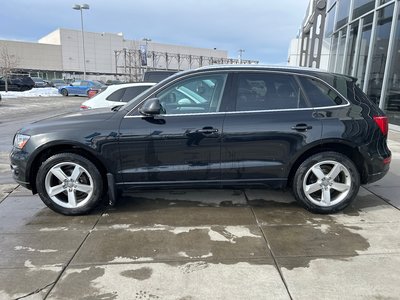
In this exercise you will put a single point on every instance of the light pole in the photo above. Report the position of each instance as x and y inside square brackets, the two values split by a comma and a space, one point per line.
[147, 40]
[81, 7]
[240, 55]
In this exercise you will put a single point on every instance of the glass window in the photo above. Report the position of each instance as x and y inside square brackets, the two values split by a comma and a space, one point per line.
[362, 7]
[340, 51]
[319, 94]
[343, 12]
[84, 83]
[117, 95]
[330, 3]
[364, 48]
[76, 83]
[392, 101]
[330, 19]
[333, 52]
[200, 94]
[267, 91]
[352, 48]
[132, 92]
[379, 53]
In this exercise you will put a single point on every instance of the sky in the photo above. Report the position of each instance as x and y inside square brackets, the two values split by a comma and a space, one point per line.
[263, 28]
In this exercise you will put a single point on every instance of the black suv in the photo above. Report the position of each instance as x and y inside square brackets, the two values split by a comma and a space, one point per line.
[17, 83]
[229, 126]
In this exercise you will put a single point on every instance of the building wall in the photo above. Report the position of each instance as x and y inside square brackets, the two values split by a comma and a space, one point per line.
[34, 56]
[106, 55]
[362, 39]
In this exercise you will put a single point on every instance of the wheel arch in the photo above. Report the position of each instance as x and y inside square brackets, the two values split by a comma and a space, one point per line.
[50, 150]
[339, 146]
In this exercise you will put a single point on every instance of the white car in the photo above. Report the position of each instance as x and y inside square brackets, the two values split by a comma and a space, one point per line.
[117, 94]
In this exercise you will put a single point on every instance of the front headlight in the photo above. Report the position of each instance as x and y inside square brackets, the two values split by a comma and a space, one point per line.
[20, 140]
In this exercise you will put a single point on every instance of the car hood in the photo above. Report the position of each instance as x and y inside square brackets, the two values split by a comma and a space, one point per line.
[67, 121]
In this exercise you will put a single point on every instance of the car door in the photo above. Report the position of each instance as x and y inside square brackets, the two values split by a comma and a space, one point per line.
[269, 123]
[74, 88]
[181, 146]
[84, 87]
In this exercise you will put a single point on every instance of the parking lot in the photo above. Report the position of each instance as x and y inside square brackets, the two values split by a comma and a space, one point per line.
[194, 244]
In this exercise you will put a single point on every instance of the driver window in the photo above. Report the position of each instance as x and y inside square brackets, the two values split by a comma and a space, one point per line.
[200, 94]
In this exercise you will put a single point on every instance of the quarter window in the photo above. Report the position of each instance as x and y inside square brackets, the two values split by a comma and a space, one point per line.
[132, 92]
[268, 91]
[117, 95]
[320, 94]
[200, 94]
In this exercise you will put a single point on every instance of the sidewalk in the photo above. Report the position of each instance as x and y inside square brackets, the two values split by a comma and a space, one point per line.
[388, 188]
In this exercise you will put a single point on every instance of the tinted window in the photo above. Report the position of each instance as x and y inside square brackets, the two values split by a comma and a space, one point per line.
[320, 94]
[267, 91]
[132, 92]
[84, 83]
[117, 95]
[200, 94]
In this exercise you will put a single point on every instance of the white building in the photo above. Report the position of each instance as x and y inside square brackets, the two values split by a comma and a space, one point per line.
[107, 55]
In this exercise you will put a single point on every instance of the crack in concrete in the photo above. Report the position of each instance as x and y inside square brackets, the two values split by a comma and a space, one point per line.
[36, 291]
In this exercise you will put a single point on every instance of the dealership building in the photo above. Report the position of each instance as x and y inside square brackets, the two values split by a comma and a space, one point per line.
[360, 38]
[63, 54]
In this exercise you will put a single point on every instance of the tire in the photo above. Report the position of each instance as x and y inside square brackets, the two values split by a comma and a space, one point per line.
[64, 92]
[326, 182]
[69, 184]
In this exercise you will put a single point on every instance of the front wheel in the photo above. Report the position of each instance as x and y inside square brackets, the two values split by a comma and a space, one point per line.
[69, 184]
[326, 182]
[64, 92]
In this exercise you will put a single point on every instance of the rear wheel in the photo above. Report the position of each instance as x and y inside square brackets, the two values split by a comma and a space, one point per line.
[69, 184]
[64, 92]
[326, 182]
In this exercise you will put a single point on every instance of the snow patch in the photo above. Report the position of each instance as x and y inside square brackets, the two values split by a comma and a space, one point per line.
[53, 229]
[29, 249]
[120, 259]
[35, 92]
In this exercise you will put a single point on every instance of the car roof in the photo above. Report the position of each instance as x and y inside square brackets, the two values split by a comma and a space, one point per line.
[124, 85]
[250, 67]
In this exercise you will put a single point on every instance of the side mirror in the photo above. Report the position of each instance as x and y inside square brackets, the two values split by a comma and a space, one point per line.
[151, 107]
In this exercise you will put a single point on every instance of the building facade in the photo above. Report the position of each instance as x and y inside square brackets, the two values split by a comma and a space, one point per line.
[361, 38]
[107, 56]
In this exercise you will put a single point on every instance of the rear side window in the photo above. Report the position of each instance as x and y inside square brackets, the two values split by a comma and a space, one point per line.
[320, 94]
[132, 92]
[117, 95]
[268, 91]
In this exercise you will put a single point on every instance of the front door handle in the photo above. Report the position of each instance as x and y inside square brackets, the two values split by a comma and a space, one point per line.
[302, 127]
[207, 130]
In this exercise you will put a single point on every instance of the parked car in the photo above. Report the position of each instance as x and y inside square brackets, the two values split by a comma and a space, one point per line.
[17, 83]
[78, 88]
[115, 81]
[309, 130]
[39, 82]
[116, 95]
[96, 90]
[57, 83]
[157, 76]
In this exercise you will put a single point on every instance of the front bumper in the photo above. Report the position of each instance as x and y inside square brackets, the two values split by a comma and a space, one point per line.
[19, 160]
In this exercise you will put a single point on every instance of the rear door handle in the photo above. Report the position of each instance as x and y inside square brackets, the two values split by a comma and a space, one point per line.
[302, 127]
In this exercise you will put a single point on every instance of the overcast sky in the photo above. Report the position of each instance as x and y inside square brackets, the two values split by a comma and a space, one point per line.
[263, 28]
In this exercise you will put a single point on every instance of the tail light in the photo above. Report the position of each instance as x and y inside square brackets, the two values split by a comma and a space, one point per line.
[382, 122]
[85, 107]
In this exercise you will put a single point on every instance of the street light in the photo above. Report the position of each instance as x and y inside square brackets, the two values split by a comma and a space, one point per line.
[240, 55]
[81, 7]
[146, 40]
